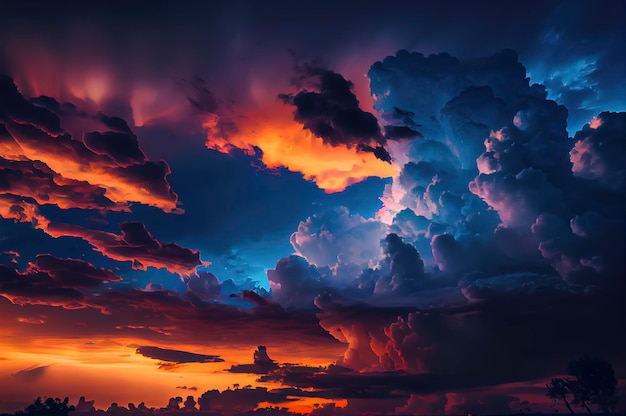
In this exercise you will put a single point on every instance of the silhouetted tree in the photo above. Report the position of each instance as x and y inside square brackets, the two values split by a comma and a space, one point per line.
[49, 407]
[190, 403]
[593, 383]
[559, 390]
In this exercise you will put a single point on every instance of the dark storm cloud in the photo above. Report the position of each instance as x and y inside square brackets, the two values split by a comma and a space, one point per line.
[272, 371]
[17, 109]
[53, 281]
[165, 313]
[134, 244]
[123, 148]
[294, 282]
[405, 264]
[599, 153]
[332, 112]
[506, 324]
[512, 145]
[176, 356]
[512, 142]
[263, 364]
[240, 401]
[37, 288]
[401, 132]
[588, 250]
[424, 404]
[203, 285]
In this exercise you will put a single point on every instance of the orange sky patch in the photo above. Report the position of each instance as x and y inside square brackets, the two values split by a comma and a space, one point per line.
[108, 370]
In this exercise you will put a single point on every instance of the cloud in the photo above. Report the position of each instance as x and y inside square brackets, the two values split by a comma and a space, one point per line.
[192, 388]
[576, 64]
[294, 282]
[423, 342]
[458, 403]
[31, 374]
[263, 364]
[425, 404]
[496, 172]
[15, 108]
[73, 273]
[599, 154]
[106, 170]
[37, 288]
[134, 244]
[160, 314]
[331, 111]
[203, 285]
[518, 199]
[176, 356]
[271, 135]
[14, 208]
[35, 180]
[587, 250]
[336, 236]
[239, 401]
[53, 281]
[406, 267]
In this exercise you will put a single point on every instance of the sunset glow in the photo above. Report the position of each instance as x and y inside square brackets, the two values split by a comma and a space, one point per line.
[329, 209]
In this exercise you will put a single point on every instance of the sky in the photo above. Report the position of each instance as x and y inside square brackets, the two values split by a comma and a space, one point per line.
[330, 208]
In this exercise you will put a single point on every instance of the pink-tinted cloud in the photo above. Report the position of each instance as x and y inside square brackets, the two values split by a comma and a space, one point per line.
[134, 244]
[106, 170]
[73, 273]
[35, 287]
[35, 180]
[599, 151]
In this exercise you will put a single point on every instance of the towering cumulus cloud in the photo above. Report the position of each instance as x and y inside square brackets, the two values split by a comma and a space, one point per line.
[486, 126]
[499, 225]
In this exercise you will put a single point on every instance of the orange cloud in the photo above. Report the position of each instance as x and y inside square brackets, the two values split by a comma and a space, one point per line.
[12, 207]
[72, 159]
[285, 143]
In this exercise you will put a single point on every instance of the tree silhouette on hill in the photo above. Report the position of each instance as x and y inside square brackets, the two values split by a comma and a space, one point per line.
[593, 384]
